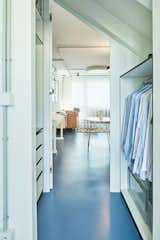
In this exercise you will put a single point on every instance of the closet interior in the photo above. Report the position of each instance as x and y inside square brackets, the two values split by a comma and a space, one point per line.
[137, 143]
[39, 97]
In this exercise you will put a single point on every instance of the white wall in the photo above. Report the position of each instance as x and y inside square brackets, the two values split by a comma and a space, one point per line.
[22, 200]
[39, 86]
[48, 160]
[22, 123]
[156, 119]
[122, 59]
[58, 91]
[67, 93]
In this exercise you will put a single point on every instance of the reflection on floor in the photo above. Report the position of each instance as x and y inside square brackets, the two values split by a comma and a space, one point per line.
[81, 207]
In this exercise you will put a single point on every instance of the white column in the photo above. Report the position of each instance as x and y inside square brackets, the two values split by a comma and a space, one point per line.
[54, 137]
[115, 120]
[2, 61]
[22, 125]
[122, 59]
[48, 160]
[156, 119]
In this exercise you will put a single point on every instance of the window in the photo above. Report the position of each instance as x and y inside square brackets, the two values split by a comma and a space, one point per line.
[91, 95]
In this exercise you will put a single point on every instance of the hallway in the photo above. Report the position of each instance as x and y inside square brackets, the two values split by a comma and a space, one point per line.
[80, 207]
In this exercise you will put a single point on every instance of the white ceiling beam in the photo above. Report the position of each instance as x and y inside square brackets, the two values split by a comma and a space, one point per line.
[94, 15]
[146, 3]
[80, 46]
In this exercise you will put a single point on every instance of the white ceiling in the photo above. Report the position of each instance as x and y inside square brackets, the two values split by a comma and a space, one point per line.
[75, 45]
[128, 22]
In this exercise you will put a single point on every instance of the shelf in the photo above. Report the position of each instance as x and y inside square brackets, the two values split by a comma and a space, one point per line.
[142, 70]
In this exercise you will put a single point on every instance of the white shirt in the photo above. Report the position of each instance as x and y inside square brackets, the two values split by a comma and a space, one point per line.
[146, 169]
[141, 132]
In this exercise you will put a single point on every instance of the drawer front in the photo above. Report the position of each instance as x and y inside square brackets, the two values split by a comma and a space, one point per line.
[39, 139]
[39, 186]
[39, 154]
[39, 168]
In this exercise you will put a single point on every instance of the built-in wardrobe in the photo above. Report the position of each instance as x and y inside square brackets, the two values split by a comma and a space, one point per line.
[136, 98]
[135, 128]
[39, 98]
[137, 134]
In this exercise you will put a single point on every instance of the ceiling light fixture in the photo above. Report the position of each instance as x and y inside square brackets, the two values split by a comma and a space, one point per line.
[98, 68]
[58, 60]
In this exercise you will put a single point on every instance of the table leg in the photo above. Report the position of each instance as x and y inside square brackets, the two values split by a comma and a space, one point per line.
[89, 137]
[108, 136]
[61, 133]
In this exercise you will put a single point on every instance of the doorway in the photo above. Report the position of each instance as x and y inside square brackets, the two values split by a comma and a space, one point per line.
[79, 206]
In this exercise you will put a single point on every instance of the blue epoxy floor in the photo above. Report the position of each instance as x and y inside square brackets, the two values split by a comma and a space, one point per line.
[81, 207]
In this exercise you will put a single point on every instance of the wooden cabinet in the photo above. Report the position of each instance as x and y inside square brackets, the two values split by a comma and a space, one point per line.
[72, 117]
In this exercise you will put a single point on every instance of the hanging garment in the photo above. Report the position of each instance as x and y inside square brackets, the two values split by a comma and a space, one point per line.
[136, 113]
[146, 168]
[125, 120]
[141, 131]
[130, 121]
[137, 131]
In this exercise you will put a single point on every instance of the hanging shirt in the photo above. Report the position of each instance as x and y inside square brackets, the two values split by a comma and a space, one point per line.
[125, 120]
[146, 168]
[136, 113]
[139, 118]
[141, 130]
[129, 125]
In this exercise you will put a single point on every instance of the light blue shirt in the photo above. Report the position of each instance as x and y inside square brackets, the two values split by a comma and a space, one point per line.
[130, 121]
[125, 119]
[143, 129]
[134, 125]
